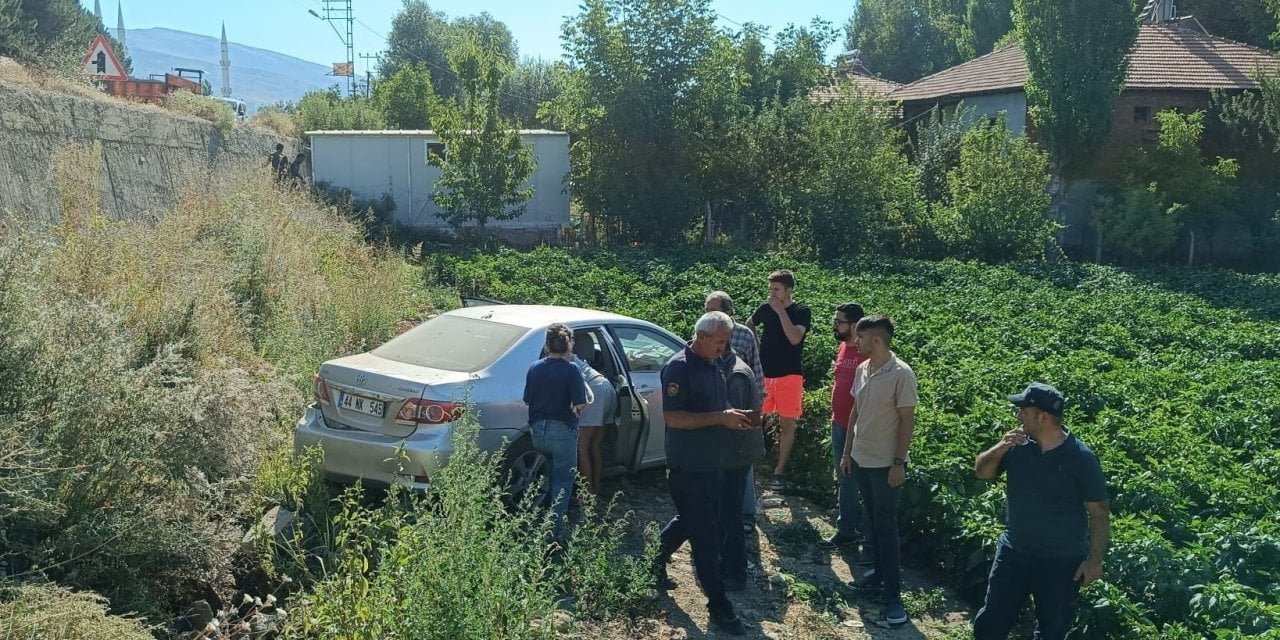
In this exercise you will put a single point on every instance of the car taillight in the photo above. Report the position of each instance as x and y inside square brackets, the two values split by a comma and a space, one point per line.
[417, 411]
[321, 391]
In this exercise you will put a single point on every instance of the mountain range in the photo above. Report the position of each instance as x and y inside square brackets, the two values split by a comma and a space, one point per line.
[258, 76]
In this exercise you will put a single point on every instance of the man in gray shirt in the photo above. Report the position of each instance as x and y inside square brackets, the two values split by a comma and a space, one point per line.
[744, 344]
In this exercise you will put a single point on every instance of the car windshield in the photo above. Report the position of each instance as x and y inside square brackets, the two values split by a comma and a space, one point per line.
[452, 343]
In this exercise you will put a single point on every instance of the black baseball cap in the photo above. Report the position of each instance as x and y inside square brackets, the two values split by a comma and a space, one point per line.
[1042, 397]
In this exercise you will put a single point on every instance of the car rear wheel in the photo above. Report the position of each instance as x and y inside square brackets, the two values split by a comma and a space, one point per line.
[526, 472]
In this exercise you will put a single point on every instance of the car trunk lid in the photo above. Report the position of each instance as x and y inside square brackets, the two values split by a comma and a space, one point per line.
[375, 394]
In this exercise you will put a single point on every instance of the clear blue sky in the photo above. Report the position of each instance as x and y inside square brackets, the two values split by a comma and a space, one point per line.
[286, 27]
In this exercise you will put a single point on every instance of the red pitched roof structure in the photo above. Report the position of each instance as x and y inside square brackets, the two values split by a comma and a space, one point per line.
[1165, 56]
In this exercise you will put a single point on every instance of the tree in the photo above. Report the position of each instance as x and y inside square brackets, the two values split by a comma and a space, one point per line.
[999, 199]
[902, 39]
[986, 21]
[1071, 89]
[53, 34]
[630, 78]
[741, 162]
[420, 35]
[859, 187]
[1249, 21]
[485, 166]
[905, 40]
[1250, 128]
[798, 61]
[404, 98]
[532, 83]
[493, 34]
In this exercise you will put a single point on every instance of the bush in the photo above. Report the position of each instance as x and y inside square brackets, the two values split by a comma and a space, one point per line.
[375, 215]
[277, 119]
[458, 564]
[999, 199]
[1165, 189]
[205, 108]
[1137, 226]
[329, 111]
[860, 187]
[151, 367]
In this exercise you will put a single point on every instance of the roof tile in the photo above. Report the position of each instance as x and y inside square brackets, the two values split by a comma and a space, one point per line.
[1165, 56]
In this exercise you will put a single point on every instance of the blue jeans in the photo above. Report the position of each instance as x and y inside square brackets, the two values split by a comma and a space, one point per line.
[849, 521]
[881, 506]
[708, 505]
[1014, 576]
[560, 442]
[749, 497]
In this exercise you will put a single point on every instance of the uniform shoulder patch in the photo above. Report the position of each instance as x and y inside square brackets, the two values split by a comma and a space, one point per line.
[673, 389]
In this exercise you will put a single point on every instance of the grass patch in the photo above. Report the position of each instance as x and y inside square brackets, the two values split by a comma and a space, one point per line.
[50, 612]
[275, 119]
[152, 369]
[216, 111]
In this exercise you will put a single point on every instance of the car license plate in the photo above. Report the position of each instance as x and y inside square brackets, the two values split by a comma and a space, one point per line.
[361, 404]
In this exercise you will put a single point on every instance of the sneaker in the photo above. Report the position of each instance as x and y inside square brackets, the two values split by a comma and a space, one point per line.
[729, 623]
[778, 482]
[870, 581]
[892, 616]
[839, 539]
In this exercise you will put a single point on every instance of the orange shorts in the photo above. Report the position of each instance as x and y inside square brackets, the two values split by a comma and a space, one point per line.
[783, 396]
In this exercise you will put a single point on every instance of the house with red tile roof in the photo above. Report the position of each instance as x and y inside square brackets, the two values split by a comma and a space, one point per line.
[1174, 65]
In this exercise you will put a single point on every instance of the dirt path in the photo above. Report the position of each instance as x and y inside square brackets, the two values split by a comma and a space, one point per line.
[797, 590]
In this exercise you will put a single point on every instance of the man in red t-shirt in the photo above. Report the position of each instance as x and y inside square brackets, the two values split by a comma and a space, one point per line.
[848, 523]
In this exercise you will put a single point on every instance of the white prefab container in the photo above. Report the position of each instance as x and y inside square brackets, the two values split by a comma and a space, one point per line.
[373, 163]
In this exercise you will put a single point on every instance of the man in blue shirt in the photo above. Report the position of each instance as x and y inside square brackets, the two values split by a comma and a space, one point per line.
[701, 438]
[1058, 519]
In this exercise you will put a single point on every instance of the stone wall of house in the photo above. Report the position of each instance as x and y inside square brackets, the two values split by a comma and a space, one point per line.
[1134, 122]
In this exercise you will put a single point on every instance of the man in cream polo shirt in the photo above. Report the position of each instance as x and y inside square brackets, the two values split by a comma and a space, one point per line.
[883, 420]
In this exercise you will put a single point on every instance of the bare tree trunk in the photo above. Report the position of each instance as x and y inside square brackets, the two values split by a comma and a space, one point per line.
[1191, 254]
[708, 231]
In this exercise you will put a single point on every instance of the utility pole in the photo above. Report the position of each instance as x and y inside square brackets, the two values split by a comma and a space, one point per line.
[340, 12]
[368, 74]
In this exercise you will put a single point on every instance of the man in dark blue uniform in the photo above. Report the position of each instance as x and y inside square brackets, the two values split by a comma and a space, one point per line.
[1058, 519]
[700, 439]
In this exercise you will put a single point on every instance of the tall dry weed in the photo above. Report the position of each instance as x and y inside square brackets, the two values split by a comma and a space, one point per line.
[151, 367]
[49, 612]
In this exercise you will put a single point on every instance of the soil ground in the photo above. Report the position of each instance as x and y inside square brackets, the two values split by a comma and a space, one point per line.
[797, 589]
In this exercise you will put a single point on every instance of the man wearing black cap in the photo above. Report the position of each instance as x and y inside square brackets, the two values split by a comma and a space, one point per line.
[1058, 518]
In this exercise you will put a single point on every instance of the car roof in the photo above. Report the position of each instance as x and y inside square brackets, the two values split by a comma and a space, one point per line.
[534, 316]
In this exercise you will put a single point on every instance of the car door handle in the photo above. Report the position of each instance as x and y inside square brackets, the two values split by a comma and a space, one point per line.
[643, 389]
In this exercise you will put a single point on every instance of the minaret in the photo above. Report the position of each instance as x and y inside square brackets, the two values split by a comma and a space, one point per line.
[120, 23]
[97, 9]
[226, 65]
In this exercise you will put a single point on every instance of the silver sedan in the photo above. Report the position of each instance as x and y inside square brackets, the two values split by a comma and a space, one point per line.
[408, 393]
